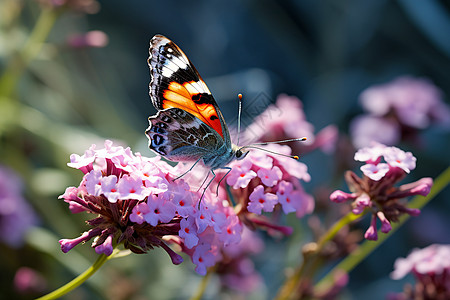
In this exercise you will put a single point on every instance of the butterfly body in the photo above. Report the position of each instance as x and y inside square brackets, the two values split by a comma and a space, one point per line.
[188, 125]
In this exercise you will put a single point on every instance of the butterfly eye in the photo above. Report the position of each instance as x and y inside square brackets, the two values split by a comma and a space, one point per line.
[240, 154]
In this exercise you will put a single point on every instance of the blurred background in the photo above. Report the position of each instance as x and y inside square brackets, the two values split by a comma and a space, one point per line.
[87, 81]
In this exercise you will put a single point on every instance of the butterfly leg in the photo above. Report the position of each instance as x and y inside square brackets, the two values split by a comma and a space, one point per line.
[207, 186]
[190, 169]
[209, 183]
[204, 183]
[220, 181]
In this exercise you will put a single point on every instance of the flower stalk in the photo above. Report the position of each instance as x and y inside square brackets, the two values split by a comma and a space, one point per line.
[78, 280]
[312, 257]
[368, 247]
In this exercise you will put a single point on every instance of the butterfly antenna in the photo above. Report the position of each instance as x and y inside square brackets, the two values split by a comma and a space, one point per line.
[239, 117]
[253, 146]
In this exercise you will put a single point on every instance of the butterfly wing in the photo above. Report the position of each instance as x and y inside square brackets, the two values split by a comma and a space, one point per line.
[177, 84]
[180, 136]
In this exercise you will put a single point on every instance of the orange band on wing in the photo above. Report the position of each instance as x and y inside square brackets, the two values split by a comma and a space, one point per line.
[184, 97]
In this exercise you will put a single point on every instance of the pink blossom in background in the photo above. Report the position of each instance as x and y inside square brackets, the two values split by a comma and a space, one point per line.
[16, 214]
[286, 120]
[29, 281]
[90, 39]
[365, 129]
[397, 110]
[431, 269]
[236, 270]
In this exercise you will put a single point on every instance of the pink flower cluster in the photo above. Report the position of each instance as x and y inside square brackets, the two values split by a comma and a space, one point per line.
[263, 181]
[431, 268]
[397, 109]
[394, 158]
[141, 206]
[376, 191]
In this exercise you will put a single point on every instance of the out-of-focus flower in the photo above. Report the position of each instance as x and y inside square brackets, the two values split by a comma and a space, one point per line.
[431, 269]
[90, 39]
[286, 120]
[366, 128]
[16, 215]
[236, 271]
[376, 191]
[397, 110]
[27, 281]
[83, 6]
[275, 182]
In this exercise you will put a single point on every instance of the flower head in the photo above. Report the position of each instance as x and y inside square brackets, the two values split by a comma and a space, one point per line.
[385, 166]
[118, 186]
[139, 204]
[431, 269]
[398, 109]
[273, 183]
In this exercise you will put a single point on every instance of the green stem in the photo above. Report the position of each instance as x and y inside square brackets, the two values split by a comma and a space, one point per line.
[78, 280]
[368, 247]
[345, 220]
[30, 50]
[203, 284]
[312, 256]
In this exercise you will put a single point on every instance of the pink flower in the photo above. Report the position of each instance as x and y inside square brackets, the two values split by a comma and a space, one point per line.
[240, 176]
[188, 232]
[231, 234]
[84, 163]
[159, 210]
[179, 194]
[397, 110]
[130, 187]
[365, 129]
[375, 172]
[139, 212]
[376, 190]
[371, 154]
[93, 182]
[398, 158]
[270, 177]
[204, 258]
[286, 196]
[261, 201]
[93, 39]
[29, 281]
[109, 188]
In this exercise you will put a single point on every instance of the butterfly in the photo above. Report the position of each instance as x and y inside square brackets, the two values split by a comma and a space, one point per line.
[189, 125]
